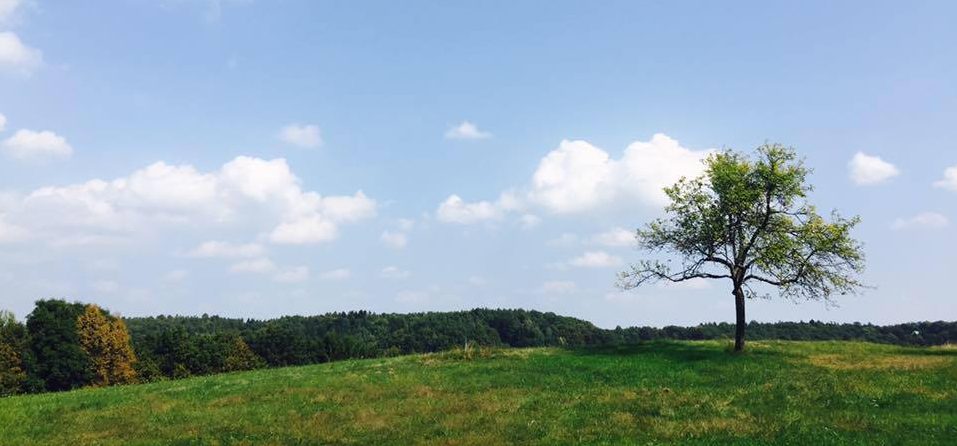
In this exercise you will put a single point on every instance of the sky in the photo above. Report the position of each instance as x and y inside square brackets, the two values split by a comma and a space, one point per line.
[254, 158]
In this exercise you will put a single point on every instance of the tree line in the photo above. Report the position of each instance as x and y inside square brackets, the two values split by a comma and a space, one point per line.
[65, 345]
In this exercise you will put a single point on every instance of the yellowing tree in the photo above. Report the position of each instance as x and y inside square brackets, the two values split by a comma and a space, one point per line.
[12, 375]
[240, 357]
[106, 340]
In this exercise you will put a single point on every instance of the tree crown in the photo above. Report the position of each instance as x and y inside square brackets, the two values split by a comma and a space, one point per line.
[749, 220]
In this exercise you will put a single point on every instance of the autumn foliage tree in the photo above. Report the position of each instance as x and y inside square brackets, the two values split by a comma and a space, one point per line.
[107, 342]
[12, 339]
[748, 221]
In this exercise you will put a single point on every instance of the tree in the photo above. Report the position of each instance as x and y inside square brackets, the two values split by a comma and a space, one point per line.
[61, 364]
[107, 342]
[748, 221]
[239, 356]
[12, 343]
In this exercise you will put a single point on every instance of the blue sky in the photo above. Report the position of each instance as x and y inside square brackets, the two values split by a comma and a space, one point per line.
[253, 158]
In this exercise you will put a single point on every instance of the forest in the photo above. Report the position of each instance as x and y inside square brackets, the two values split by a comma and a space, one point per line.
[66, 345]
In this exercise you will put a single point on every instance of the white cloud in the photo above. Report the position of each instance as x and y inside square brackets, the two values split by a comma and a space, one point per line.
[36, 146]
[456, 210]
[558, 287]
[257, 266]
[292, 275]
[615, 237]
[595, 259]
[466, 130]
[301, 135]
[348, 209]
[574, 177]
[304, 230]
[867, 170]
[16, 57]
[396, 240]
[393, 272]
[245, 193]
[226, 250]
[950, 179]
[336, 274]
[578, 177]
[926, 220]
[3, 119]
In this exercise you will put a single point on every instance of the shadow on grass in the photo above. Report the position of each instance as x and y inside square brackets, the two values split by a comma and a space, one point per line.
[929, 351]
[689, 352]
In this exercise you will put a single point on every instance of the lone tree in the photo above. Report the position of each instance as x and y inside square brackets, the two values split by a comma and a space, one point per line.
[748, 221]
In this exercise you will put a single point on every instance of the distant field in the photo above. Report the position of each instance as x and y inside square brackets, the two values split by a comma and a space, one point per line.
[660, 393]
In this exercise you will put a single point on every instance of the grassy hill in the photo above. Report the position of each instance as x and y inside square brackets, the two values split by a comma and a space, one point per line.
[661, 393]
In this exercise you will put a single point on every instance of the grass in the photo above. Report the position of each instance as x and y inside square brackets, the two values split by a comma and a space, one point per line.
[658, 393]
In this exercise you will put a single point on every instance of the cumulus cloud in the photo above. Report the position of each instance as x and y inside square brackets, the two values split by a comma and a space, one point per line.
[16, 57]
[3, 120]
[867, 170]
[245, 192]
[950, 179]
[616, 237]
[335, 274]
[398, 238]
[394, 272]
[925, 220]
[579, 177]
[466, 130]
[595, 259]
[226, 250]
[456, 210]
[30, 145]
[306, 136]
[305, 230]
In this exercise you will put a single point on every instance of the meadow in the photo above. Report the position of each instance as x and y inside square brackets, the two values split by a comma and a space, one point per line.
[777, 392]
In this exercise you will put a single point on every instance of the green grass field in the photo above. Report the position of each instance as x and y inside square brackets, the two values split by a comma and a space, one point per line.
[809, 393]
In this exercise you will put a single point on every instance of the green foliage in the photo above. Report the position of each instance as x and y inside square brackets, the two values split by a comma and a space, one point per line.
[173, 347]
[812, 393]
[60, 362]
[749, 221]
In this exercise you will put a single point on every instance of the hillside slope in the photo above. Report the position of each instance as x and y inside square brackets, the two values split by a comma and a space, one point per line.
[682, 392]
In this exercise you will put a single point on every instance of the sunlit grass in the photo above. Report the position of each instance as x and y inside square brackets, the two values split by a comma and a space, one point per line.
[671, 393]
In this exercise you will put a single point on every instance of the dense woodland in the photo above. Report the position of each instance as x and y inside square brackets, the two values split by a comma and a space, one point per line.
[64, 345]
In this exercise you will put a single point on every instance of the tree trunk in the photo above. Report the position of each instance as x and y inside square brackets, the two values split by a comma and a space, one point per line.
[741, 323]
